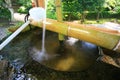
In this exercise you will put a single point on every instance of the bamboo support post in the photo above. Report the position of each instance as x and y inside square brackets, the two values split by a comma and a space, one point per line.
[41, 3]
[38, 3]
[59, 16]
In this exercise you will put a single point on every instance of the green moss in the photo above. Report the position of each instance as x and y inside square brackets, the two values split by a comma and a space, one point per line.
[17, 25]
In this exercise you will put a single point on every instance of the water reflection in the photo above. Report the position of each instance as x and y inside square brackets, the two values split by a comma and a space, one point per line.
[78, 55]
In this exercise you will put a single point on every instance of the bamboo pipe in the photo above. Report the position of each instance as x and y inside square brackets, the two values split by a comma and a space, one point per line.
[100, 36]
[38, 3]
[11, 37]
[59, 16]
[41, 3]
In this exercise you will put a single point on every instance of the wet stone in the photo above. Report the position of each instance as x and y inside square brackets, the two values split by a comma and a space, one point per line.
[3, 70]
[2, 33]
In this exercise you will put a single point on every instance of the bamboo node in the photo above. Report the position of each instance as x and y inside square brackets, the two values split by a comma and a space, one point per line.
[117, 47]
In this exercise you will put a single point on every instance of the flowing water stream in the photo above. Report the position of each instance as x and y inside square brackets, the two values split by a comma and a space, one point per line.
[44, 28]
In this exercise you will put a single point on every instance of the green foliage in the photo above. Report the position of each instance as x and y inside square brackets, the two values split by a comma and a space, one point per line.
[98, 5]
[25, 6]
[110, 4]
[51, 15]
[51, 9]
[71, 16]
[71, 9]
[95, 8]
[104, 14]
[117, 8]
[4, 12]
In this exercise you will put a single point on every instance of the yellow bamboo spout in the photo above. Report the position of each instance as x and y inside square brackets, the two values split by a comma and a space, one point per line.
[100, 36]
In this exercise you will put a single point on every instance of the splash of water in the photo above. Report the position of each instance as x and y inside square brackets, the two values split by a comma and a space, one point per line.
[38, 55]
